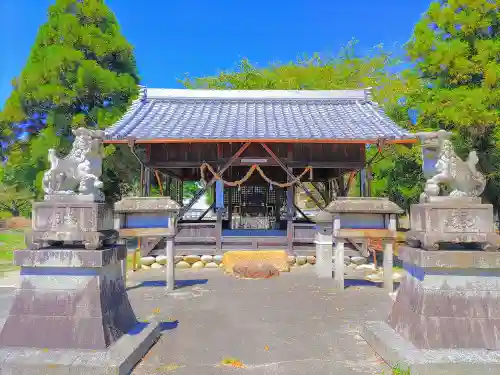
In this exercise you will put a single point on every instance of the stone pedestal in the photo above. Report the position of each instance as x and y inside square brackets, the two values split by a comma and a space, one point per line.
[460, 220]
[446, 317]
[69, 220]
[72, 302]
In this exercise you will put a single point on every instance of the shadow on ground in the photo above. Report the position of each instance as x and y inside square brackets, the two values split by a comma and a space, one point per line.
[349, 283]
[162, 283]
[164, 326]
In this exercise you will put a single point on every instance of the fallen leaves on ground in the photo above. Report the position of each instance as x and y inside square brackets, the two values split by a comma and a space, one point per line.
[233, 362]
[156, 311]
[169, 367]
[266, 347]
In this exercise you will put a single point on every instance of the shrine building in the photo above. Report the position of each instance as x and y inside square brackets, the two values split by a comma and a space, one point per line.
[253, 148]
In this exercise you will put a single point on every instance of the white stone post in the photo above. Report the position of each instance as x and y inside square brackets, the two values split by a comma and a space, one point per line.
[170, 266]
[339, 254]
[324, 254]
[117, 223]
[170, 254]
[388, 256]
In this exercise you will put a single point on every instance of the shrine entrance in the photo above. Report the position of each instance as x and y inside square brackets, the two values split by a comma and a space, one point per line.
[252, 207]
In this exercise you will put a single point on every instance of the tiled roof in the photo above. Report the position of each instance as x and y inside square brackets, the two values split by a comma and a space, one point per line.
[181, 114]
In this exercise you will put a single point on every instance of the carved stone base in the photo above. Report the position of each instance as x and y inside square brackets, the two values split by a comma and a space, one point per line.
[90, 240]
[71, 221]
[449, 299]
[452, 220]
[446, 317]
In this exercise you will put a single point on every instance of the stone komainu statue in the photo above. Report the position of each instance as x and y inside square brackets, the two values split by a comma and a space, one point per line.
[461, 176]
[80, 170]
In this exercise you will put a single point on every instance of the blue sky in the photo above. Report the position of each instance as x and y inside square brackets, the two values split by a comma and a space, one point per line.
[201, 37]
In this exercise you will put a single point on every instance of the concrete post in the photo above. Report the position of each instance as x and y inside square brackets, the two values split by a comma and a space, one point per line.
[339, 255]
[170, 254]
[324, 244]
[388, 256]
[324, 254]
[170, 266]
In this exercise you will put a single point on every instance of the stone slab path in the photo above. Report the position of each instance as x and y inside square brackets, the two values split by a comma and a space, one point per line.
[291, 324]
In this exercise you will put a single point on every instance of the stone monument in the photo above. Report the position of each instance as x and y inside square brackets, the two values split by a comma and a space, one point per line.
[446, 316]
[71, 313]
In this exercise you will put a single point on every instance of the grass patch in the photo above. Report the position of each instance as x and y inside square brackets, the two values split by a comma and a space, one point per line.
[399, 371]
[10, 240]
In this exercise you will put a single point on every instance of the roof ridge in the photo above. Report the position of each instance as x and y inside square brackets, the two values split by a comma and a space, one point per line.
[177, 94]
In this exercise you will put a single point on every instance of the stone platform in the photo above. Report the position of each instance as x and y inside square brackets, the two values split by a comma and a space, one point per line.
[446, 316]
[119, 359]
[399, 352]
[71, 313]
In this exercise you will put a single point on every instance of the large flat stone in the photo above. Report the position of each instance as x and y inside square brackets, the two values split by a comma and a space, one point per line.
[399, 352]
[119, 359]
[277, 258]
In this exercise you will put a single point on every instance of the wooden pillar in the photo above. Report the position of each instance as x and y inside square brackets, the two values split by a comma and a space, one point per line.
[342, 187]
[142, 181]
[230, 206]
[290, 202]
[168, 186]
[362, 183]
[147, 182]
[277, 206]
[369, 178]
[219, 207]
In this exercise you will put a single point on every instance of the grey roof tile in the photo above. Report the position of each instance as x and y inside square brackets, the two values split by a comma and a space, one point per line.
[237, 115]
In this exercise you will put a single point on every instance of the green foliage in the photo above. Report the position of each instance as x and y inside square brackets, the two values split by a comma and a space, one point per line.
[456, 48]
[15, 199]
[398, 175]
[400, 371]
[190, 188]
[348, 70]
[81, 72]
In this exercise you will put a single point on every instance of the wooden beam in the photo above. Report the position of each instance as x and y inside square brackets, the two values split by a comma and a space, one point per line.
[302, 213]
[323, 192]
[286, 169]
[202, 191]
[178, 164]
[205, 212]
[158, 180]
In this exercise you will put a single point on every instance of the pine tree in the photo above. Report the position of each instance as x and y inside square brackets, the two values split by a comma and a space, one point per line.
[81, 72]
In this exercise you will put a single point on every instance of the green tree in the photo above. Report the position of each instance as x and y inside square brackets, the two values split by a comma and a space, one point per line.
[81, 72]
[456, 50]
[15, 199]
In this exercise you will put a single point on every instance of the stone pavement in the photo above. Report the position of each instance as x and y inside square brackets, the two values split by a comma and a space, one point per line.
[291, 324]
